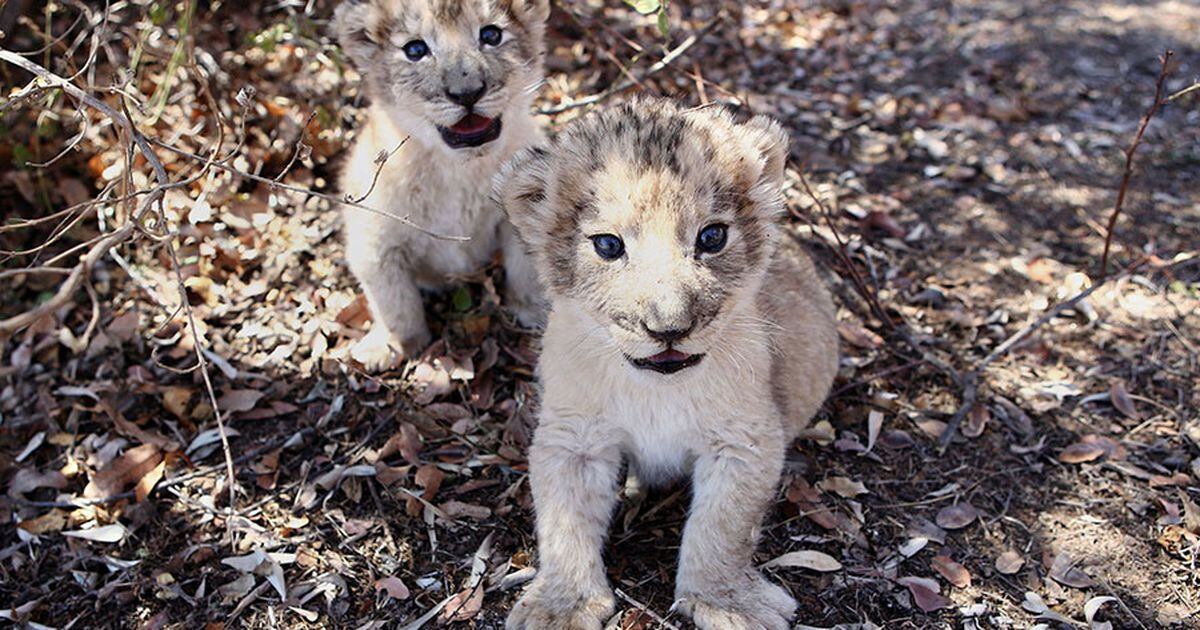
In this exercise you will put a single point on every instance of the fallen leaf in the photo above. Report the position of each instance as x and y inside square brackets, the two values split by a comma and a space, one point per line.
[406, 441]
[977, 420]
[1091, 607]
[393, 586]
[458, 509]
[806, 559]
[1064, 571]
[926, 593]
[957, 516]
[53, 521]
[932, 428]
[1081, 452]
[106, 534]
[874, 424]
[1122, 401]
[28, 479]
[1009, 562]
[856, 335]
[955, 573]
[237, 400]
[124, 471]
[842, 486]
[913, 546]
[175, 400]
[146, 484]
[822, 433]
[1034, 604]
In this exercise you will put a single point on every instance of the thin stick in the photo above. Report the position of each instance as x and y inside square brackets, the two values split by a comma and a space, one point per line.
[629, 82]
[1163, 71]
[662, 621]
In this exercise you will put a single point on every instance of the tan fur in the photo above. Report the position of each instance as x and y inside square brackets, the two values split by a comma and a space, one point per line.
[655, 175]
[444, 189]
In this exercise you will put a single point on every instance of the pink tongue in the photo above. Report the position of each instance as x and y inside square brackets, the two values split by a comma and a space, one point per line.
[471, 123]
[667, 356]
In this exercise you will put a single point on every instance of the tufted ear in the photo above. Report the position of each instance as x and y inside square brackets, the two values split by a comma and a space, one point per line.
[520, 186]
[351, 25]
[773, 143]
[532, 11]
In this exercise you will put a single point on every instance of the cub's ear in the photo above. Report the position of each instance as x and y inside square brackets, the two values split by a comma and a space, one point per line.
[520, 187]
[352, 27]
[771, 140]
[536, 11]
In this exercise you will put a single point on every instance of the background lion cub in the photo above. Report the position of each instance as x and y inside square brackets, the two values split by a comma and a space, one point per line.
[681, 339]
[457, 78]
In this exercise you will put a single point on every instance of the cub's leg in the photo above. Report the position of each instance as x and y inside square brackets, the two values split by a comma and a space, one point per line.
[523, 293]
[573, 471]
[399, 330]
[717, 583]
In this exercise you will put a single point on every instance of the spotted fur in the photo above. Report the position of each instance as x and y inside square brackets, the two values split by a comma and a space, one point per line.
[655, 174]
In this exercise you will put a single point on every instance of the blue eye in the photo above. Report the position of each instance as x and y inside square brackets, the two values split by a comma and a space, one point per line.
[491, 35]
[712, 238]
[608, 246]
[416, 49]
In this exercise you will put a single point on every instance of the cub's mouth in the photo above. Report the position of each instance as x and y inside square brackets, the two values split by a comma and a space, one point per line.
[668, 361]
[472, 131]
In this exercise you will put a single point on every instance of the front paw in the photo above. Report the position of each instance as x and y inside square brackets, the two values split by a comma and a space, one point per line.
[547, 606]
[751, 603]
[379, 350]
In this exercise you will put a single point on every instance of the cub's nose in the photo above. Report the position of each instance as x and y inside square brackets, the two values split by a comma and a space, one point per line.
[466, 98]
[667, 334]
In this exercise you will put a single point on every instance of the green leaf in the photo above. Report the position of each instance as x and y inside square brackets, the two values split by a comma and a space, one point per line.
[645, 7]
[461, 300]
[663, 26]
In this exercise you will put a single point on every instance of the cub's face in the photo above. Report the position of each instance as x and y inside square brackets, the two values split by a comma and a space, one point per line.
[447, 71]
[658, 222]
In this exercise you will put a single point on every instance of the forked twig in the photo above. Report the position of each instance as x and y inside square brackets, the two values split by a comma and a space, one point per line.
[1127, 175]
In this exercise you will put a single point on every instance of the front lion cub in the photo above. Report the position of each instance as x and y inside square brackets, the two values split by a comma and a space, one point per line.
[452, 81]
[683, 338]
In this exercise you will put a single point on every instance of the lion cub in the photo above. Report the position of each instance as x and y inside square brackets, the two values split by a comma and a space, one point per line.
[684, 338]
[453, 81]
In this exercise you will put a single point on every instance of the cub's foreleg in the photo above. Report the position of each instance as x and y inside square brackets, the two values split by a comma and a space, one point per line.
[717, 584]
[574, 466]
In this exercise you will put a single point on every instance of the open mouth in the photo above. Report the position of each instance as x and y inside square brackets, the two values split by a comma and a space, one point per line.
[472, 131]
[666, 362]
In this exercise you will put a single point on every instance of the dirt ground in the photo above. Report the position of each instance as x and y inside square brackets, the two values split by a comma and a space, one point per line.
[968, 154]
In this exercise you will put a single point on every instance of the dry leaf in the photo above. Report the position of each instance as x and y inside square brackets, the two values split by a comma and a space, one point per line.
[926, 593]
[1122, 401]
[28, 479]
[957, 516]
[1063, 571]
[1091, 607]
[53, 521]
[239, 400]
[107, 534]
[393, 586]
[146, 484]
[806, 559]
[955, 573]
[124, 471]
[175, 400]
[1009, 562]
[458, 509]
[977, 420]
[843, 486]
[856, 335]
[1081, 452]
[874, 424]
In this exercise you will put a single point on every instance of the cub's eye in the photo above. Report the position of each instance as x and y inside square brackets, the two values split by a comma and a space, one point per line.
[416, 49]
[712, 239]
[491, 35]
[608, 246]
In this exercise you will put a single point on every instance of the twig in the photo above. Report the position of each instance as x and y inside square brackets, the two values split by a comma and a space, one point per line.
[308, 191]
[1163, 71]
[971, 381]
[662, 621]
[629, 82]
[1184, 92]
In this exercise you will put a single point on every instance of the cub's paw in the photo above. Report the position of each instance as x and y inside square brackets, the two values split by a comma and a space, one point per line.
[380, 351]
[752, 604]
[558, 607]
